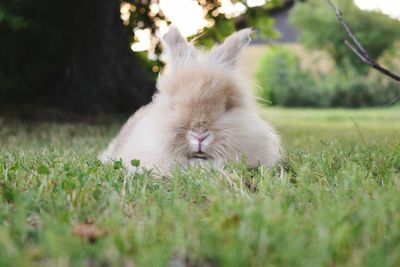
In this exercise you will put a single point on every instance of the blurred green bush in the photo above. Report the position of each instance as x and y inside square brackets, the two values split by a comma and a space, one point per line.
[355, 90]
[283, 82]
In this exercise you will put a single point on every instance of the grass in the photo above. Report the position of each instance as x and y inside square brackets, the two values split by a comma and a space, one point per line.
[334, 201]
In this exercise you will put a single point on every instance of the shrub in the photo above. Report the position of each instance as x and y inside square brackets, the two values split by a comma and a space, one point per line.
[282, 81]
[361, 91]
[354, 92]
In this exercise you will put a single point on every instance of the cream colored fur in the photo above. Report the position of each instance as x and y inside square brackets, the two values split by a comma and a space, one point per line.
[199, 94]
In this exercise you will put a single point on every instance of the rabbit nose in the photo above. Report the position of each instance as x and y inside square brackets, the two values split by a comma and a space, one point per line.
[199, 142]
[199, 137]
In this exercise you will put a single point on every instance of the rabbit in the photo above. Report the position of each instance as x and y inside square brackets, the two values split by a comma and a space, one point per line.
[203, 111]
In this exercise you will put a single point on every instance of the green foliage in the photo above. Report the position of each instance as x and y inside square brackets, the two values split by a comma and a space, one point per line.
[12, 21]
[257, 19]
[216, 34]
[355, 90]
[336, 203]
[320, 29]
[135, 163]
[282, 81]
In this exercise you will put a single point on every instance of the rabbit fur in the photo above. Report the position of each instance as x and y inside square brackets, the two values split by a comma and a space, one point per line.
[203, 111]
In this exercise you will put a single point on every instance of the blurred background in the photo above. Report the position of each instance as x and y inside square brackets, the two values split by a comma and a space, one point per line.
[71, 59]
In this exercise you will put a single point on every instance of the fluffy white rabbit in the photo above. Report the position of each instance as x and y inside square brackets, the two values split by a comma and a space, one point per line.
[203, 111]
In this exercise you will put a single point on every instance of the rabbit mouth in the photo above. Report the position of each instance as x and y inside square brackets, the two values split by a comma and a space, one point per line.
[200, 155]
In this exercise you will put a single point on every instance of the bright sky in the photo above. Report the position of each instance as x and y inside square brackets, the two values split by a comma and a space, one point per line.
[189, 17]
[389, 7]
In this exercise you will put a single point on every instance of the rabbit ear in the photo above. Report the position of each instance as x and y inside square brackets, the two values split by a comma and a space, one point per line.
[228, 52]
[177, 49]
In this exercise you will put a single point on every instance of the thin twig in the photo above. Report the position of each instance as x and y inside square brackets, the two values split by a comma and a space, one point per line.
[358, 49]
[346, 26]
[358, 53]
[359, 132]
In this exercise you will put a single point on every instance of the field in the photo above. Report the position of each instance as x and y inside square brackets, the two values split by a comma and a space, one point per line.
[333, 201]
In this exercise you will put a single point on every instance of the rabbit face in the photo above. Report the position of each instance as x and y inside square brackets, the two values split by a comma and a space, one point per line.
[199, 99]
[201, 91]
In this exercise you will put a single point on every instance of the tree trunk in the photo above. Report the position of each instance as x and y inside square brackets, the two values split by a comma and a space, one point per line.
[101, 73]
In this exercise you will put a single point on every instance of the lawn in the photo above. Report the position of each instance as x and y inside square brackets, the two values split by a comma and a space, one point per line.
[334, 200]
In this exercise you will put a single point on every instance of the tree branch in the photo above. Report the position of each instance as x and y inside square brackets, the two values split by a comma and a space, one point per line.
[358, 49]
